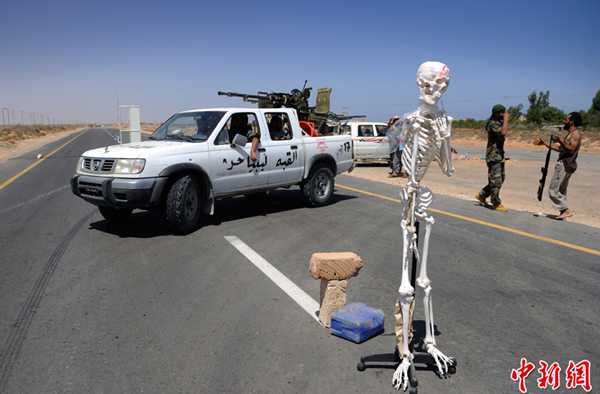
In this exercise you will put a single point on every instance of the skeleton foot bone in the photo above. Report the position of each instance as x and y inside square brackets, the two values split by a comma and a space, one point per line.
[401, 375]
[441, 360]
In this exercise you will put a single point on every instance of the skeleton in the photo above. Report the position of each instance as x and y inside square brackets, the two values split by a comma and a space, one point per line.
[426, 136]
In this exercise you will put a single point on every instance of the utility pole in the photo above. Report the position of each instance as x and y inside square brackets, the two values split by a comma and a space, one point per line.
[42, 118]
[505, 100]
[22, 122]
[7, 113]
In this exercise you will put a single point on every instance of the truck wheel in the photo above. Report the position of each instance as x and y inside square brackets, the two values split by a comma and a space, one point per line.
[318, 188]
[115, 215]
[184, 206]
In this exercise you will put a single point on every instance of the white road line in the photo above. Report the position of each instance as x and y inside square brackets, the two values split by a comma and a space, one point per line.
[304, 300]
[34, 199]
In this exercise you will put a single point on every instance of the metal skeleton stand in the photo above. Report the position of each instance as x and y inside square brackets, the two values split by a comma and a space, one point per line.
[419, 357]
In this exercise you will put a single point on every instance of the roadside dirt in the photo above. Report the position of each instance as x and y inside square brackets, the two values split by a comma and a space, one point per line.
[518, 192]
[20, 147]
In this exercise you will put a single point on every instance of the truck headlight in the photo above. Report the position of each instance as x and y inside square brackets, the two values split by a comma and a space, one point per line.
[129, 166]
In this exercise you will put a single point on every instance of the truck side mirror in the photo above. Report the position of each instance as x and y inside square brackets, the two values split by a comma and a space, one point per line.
[239, 140]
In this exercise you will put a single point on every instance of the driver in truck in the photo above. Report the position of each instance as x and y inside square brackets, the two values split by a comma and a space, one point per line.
[239, 125]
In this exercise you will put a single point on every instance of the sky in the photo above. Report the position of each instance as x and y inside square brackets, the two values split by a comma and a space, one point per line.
[66, 61]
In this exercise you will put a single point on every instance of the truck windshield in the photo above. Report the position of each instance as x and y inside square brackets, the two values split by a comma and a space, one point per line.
[190, 126]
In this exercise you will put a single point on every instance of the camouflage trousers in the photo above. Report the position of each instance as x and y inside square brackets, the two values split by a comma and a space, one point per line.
[495, 181]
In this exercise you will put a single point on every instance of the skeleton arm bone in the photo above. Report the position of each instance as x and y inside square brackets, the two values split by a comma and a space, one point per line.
[416, 128]
[444, 158]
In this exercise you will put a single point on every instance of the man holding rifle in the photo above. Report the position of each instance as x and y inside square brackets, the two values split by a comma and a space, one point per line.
[567, 149]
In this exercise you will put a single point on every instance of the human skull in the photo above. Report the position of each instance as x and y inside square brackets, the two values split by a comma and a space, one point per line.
[433, 78]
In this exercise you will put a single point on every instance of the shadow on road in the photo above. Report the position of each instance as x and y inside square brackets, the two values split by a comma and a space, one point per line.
[144, 224]
[372, 164]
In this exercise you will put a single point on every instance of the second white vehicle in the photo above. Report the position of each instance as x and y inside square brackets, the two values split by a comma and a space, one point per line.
[369, 140]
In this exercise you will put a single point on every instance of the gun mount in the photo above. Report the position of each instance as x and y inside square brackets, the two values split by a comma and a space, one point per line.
[323, 119]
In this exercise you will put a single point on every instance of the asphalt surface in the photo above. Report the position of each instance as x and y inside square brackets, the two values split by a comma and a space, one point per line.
[92, 307]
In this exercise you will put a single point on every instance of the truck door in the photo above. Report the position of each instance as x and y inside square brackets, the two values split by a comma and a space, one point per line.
[231, 167]
[284, 149]
[365, 141]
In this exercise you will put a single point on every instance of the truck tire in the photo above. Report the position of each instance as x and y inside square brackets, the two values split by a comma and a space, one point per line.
[115, 215]
[318, 188]
[184, 205]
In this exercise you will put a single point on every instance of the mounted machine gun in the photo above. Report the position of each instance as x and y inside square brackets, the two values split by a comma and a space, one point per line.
[323, 119]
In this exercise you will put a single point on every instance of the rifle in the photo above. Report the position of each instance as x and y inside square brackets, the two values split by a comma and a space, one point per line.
[545, 170]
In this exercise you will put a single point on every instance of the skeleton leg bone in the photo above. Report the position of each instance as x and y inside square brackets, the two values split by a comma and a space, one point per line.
[442, 361]
[406, 291]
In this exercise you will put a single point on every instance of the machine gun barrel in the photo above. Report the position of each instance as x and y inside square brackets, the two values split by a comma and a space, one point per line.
[246, 97]
[351, 117]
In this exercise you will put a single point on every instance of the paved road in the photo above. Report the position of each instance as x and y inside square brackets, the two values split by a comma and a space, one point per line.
[90, 307]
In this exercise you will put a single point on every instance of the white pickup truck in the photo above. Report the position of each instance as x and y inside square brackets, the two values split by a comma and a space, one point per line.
[198, 156]
[369, 140]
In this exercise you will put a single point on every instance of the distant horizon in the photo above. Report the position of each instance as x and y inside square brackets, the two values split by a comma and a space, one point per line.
[68, 61]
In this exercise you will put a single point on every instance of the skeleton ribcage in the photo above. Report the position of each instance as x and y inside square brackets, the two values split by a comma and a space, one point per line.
[426, 150]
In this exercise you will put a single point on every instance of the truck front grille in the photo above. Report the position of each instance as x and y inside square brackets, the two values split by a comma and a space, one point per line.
[98, 165]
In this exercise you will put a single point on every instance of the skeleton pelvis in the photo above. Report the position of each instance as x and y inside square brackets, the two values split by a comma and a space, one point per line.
[420, 198]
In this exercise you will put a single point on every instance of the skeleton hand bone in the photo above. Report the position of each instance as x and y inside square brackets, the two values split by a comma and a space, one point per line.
[441, 126]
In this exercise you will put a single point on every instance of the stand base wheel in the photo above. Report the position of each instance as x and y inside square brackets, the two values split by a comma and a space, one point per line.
[452, 367]
[361, 366]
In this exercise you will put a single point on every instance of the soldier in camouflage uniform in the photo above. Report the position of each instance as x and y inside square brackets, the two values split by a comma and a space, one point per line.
[496, 129]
